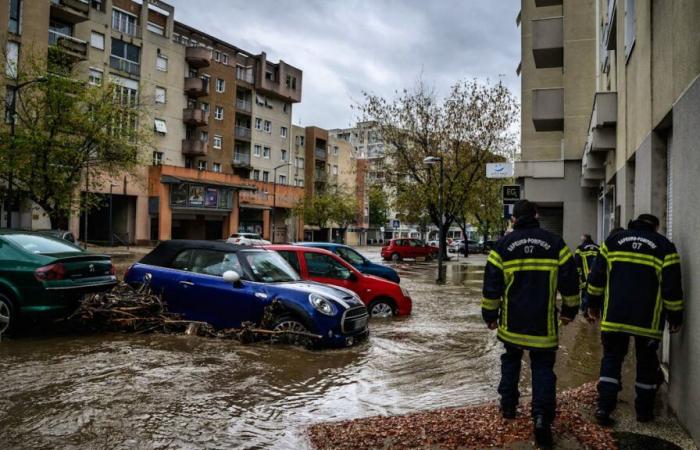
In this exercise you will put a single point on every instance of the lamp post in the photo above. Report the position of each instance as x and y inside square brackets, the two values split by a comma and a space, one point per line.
[111, 222]
[274, 199]
[431, 161]
[12, 116]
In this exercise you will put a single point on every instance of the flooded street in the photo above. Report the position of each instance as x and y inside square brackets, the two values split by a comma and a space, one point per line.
[122, 391]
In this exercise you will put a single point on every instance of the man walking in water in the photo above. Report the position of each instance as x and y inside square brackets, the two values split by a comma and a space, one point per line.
[522, 275]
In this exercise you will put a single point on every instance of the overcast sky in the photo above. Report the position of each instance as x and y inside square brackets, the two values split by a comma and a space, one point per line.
[346, 47]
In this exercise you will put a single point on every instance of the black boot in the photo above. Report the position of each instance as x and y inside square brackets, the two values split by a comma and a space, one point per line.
[508, 412]
[543, 432]
[645, 417]
[603, 418]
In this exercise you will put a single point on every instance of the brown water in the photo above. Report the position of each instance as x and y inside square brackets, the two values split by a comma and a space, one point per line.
[122, 391]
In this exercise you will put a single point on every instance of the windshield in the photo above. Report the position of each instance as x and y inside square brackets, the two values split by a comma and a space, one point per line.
[41, 244]
[350, 256]
[269, 267]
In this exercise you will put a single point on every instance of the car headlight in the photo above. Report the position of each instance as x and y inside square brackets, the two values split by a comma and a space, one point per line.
[404, 291]
[322, 304]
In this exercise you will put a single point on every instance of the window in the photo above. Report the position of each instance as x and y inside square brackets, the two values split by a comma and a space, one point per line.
[301, 163]
[335, 150]
[630, 25]
[155, 28]
[224, 58]
[335, 170]
[220, 85]
[285, 108]
[217, 56]
[216, 167]
[266, 152]
[97, 40]
[300, 141]
[258, 124]
[157, 158]
[201, 165]
[219, 113]
[188, 163]
[283, 132]
[350, 256]
[291, 82]
[300, 183]
[204, 136]
[218, 140]
[162, 63]
[160, 95]
[268, 126]
[269, 75]
[282, 179]
[95, 77]
[291, 258]
[256, 150]
[266, 176]
[125, 57]
[284, 154]
[260, 100]
[204, 106]
[15, 14]
[12, 57]
[124, 22]
[256, 175]
[325, 266]
[160, 126]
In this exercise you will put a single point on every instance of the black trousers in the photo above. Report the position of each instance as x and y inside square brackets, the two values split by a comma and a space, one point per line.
[544, 381]
[614, 351]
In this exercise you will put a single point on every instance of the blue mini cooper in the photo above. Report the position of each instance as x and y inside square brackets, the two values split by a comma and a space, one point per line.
[227, 285]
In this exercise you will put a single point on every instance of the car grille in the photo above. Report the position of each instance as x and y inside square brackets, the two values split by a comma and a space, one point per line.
[354, 320]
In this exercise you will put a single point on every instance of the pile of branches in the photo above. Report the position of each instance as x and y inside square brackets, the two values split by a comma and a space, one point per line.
[140, 311]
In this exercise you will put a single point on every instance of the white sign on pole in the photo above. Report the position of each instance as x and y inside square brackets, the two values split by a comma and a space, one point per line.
[500, 170]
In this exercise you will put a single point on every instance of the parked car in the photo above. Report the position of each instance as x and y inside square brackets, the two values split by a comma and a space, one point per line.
[455, 245]
[434, 243]
[61, 234]
[398, 249]
[355, 259]
[383, 298]
[40, 274]
[247, 239]
[474, 247]
[226, 285]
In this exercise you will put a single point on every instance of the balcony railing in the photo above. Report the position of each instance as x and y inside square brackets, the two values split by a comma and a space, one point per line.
[125, 65]
[548, 109]
[320, 153]
[196, 87]
[198, 57]
[126, 27]
[194, 147]
[548, 42]
[243, 105]
[241, 159]
[245, 76]
[72, 11]
[320, 177]
[195, 116]
[243, 133]
[68, 44]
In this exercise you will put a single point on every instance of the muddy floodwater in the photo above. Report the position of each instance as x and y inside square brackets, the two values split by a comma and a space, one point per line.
[122, 391]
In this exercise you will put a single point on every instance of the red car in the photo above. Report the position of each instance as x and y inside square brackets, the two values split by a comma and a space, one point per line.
[383, 298]
[398, 249]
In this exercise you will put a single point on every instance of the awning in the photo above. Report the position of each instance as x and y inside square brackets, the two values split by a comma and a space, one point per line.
[170, 179]
[251, 206]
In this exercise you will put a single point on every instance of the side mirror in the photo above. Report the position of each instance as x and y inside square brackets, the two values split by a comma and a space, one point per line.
[231, 276]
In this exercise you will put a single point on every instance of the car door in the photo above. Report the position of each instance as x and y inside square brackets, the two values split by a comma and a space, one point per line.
[328, 269]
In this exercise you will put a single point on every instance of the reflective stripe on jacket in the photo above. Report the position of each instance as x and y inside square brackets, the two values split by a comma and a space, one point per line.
[585, 256]
[637, 280]
[523, 273]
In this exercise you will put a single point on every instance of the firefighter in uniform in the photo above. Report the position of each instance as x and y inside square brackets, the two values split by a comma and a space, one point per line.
[637, 282]
[584, 256]
[523, 273]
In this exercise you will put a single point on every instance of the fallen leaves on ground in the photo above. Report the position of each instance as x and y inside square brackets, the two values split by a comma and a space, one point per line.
[469, 427]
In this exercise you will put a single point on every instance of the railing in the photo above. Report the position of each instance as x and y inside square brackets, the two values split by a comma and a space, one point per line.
[242, 132]
[79, 5]
[243, 105]
[320, 153]
[245, 76]
[123, 64]
[320, 177]
[126, 27]
[67, 42]
[241, 159]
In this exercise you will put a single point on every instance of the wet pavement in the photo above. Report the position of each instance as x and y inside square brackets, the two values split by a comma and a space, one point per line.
[128, 391]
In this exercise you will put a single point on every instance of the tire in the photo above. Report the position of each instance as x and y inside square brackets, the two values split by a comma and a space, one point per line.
[8, 317]
[382, 309]
[395, 257]
[290, 323]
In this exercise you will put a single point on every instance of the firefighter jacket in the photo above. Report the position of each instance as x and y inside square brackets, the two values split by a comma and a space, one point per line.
[637, 280]
[523, 274]
[584, 256]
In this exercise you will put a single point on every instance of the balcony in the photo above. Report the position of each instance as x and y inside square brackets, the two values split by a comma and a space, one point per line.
[68, 45]
[71, 11]
[320, 153]
[196, 87]
[194, 147]
[604, 110]
[246, 76]
[241, 159]
[320, 177]
[548, 109]
[195, 116]
[244, 105]
[541, 3]
[243, 133]
[125, 65]
[198, 57]
[548, 42]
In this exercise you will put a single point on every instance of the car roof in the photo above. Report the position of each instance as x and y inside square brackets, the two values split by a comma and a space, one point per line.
[15, 231]
[320, 244]
[294, 248]
[167, 250]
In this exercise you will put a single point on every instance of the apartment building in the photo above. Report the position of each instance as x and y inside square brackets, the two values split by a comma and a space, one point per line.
[203, 97]
[557, 73]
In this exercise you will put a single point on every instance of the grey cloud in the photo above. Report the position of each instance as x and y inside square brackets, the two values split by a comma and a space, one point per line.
[347, 47]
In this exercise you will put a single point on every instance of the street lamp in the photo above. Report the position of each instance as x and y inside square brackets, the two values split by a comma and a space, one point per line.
[274, 198]
[12, 113]
[431, 161]
[111, 223]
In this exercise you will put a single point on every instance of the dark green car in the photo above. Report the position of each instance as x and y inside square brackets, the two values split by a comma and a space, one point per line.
[40, 274]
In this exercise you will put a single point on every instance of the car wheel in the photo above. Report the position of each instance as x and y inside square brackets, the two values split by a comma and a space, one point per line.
[7, 316]
[381, 309]
[395, 257]
[293, 325]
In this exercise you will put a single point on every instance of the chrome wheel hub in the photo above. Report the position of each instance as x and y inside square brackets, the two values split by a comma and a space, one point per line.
[382, 310]
[4, 317]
